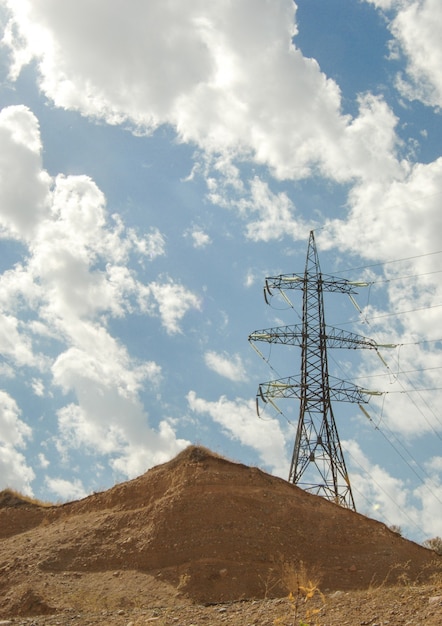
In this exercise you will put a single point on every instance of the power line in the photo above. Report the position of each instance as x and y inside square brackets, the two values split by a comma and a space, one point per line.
[415, 343]
[376, 427]
[424, 369]
[396, 375]
[412, 390]
[409, 258]
[408, 391]
[422, 308]
[381, 488]
[367, 321]
[396, 314]
[294, 335]
[389, 280]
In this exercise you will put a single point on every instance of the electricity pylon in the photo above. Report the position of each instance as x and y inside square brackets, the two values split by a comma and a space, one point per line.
[317, 463]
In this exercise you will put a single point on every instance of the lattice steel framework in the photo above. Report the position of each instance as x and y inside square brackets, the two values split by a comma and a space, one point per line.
[318, 463]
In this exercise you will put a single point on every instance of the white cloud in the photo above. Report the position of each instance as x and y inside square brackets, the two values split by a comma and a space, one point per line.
[275, 214]
[85, 426]
[366, 148]
[378, 493]
[101, 361]
[74, 278]
[43, 461]
[238, 419]
[435, 464]
[14, 434]
[238, 97]
[96, 426]
[228, 79]
[38, 387]
[206, 79]
[14, 469]
[13, 431]
[386, 4]
[431, 502]
[230, 367]
[14, 343]
[416, 28]
[393, 500]
[24, 189]
[66, 489]
[151, 245]
[409, 204]
[268, 215]
[109, 418]
[200, 238]
[150, 448]
[430, 495]
[171, 301]
[399, 220]
[250, 279]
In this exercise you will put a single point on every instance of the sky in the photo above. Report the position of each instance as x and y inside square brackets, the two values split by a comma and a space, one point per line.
[157, 162]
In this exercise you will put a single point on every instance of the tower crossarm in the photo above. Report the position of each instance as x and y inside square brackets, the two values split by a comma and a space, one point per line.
[293, 335]
[338, 338]
[327, 282]
[288, 335]
[291, 387]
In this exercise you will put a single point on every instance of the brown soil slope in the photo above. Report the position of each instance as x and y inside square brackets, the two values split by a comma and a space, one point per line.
[199, 528]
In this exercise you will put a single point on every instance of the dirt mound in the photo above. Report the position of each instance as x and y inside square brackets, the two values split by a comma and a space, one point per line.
[198, 528]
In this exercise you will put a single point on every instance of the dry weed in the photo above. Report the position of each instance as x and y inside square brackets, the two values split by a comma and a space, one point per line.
[303, 589]
[400, 573]
[401, 577]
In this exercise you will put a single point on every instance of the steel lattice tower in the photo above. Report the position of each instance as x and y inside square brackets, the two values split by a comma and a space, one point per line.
[318, 463]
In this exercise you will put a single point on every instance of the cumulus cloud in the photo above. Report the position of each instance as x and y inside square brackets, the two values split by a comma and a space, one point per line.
[380, 494]
[74, 278]
[43, 461]
[14, 433]
[12, 430]
[229, 78]
[66, 489]
[393, 219]
[206, 79]
[170, 300]
[388, 222]
[108, 418]
[23, 206]
[199, 238]
[230, 367]
[391, 499]
[430, 495]
[239, 93]
[238, 419]
[416, 27]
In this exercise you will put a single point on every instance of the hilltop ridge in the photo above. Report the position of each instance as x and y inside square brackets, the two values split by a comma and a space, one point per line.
[198, 528]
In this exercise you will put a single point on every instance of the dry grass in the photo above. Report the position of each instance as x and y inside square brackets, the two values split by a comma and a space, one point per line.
[305, 600]
[12, 494]
[400, 572]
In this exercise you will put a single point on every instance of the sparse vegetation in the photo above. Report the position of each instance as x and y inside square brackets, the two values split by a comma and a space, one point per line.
[203, 540]
[303, 588]
[8, 495]
[434, 544]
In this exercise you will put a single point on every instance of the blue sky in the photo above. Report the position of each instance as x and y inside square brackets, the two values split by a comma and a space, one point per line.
[157, 162]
